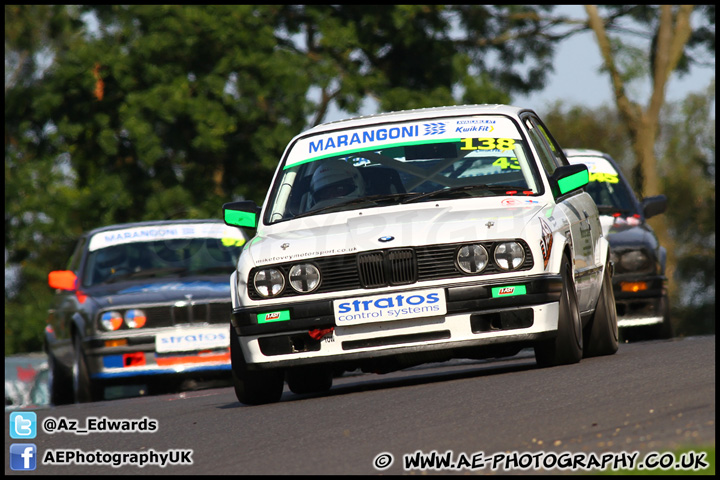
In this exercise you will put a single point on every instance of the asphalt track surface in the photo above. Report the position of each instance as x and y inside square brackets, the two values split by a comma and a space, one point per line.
[649, 399]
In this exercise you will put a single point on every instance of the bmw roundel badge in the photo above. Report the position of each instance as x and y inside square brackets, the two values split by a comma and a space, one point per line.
[388, 238]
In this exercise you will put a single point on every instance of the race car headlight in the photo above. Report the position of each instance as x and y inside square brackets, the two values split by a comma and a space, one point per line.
[269, 282]
[304, 277]
[634, 260]
[472, 258]
[111, 320]
[509, 255]
[135, 318]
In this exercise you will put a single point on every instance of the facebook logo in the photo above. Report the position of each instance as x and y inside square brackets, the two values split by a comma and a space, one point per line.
[23, 425]
[23, 456]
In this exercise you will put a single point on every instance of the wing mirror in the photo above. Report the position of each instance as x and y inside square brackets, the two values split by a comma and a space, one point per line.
[567, 178]
[62, 280]
[654, 205]
[241, 214]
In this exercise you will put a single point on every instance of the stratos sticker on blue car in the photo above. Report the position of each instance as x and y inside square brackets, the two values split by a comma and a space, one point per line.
[390, 306]
[189, 339]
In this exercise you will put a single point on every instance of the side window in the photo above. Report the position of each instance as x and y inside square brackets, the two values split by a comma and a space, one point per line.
[537, 137]
[554, 147]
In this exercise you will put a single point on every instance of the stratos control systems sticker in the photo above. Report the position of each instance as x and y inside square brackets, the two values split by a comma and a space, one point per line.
[391, 306]
[187, 340]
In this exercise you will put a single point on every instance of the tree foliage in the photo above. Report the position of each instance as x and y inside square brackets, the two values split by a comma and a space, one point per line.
[687, 169]
[136, 112]
[687, 172]
[577, 126]
[669, 35]
[128, 113]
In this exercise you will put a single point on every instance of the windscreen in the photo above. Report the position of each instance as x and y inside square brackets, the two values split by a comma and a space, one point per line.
[178, 250]
[606, 188]
[400, 163]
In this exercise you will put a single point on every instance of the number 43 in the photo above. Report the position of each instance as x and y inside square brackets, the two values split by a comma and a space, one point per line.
[505, 163]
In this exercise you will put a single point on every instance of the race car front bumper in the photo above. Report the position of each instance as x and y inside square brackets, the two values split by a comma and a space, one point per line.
[640, 300]
[476, 316]
[177, 351]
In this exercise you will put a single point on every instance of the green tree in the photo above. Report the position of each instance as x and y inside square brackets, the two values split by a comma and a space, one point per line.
[577, 126]
[127, 113]
[160, 112]
[414, 56]
[687, 171]
[38, 183]
[671, 37]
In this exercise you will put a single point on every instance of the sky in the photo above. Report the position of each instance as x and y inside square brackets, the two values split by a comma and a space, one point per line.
[577, 79]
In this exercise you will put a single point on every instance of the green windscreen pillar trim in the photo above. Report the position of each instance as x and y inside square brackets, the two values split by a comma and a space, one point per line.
[571, 182]
[240, 219]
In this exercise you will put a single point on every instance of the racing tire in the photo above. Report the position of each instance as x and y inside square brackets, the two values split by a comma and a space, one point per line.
[601, 334]
[84, 389]
[302, 380]
[253, 387]
[59, 382]
[567, 346]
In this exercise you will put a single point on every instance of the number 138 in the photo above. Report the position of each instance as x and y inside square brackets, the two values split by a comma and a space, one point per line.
[487, 143]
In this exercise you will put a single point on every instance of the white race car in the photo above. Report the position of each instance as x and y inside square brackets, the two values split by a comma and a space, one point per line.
[398, 239]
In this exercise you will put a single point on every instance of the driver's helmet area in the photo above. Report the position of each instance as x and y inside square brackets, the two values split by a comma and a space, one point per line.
[109, 261]
[336, 181]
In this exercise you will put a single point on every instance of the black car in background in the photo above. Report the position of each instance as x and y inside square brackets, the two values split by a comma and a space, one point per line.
[639, 279]
[141, 303]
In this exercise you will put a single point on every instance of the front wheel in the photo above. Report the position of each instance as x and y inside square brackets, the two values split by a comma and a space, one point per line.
[310, 379]
[601, 335]
[58, 382]
[567, 346]
[253, 387]
[84, 389]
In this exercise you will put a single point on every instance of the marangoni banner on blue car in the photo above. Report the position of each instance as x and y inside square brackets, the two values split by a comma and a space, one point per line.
[165, 232]
[180, 286]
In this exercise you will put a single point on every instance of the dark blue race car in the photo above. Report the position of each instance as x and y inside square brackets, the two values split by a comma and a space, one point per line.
[639, 280]
[141, 303]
